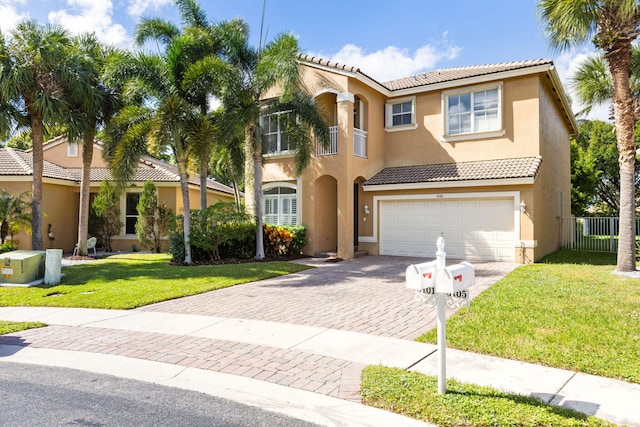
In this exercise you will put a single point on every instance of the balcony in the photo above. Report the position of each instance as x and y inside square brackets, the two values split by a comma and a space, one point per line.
[332, 149]
[360, 143]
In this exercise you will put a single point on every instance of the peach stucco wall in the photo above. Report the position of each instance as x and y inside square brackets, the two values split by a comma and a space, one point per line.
[533, 126]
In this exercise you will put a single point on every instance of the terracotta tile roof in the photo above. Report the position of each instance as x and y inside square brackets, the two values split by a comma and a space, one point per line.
[526, 167]
[15, 162]
[18, 162]
[434, 76]
[450, 74]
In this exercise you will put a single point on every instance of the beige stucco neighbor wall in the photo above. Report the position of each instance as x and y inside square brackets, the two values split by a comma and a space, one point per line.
[57, 153]
[60, 208]
[15, 188]
[552, 190]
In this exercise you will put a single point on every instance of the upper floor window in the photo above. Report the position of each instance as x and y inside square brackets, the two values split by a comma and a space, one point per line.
[400, 114]
[72, 149]
[274, 128]
[280, 206]
[473, 112]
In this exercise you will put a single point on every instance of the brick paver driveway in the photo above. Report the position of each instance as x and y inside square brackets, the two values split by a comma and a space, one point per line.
[366, 295]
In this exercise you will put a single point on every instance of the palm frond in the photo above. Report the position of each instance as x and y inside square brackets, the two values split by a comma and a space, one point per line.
[568, 23]
[155, 29]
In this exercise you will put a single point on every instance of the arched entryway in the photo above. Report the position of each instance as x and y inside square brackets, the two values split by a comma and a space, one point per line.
[326, 214]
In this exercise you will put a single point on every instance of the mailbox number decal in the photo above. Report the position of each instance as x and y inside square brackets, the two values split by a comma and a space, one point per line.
[428, 291]
[459, 294]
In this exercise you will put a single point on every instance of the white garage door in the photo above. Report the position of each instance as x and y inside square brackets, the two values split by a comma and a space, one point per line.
[473, 228]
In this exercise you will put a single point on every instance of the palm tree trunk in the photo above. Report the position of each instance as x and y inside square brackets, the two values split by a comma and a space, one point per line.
[253, 185]
[249, 148]
[236, 195]
[623, 107]
[37, 135]
[184, 187]
[204, 172]
[85, 193]
[257, 185]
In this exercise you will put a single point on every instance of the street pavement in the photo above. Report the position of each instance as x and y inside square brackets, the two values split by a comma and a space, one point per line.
[296, 344]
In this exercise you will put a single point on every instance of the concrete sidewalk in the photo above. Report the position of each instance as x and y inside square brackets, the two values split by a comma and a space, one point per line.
[296, 344]
[609, 399]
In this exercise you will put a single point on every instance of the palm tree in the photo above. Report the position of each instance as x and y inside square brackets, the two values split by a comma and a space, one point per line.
[273, 67]
[593, 83]
[171, 116]
[611, 25]
[34, 77]
[93, 109]
[204, 79]
[14, 213]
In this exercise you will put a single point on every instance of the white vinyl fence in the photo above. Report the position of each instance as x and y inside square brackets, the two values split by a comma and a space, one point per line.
[595, 234]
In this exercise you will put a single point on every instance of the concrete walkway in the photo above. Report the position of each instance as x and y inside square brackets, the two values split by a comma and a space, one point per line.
[296, 344]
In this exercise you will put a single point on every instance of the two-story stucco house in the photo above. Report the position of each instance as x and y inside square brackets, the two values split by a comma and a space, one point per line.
[61, 190]
[479, 155]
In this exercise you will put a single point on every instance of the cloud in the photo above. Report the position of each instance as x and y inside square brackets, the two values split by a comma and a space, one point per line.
[9, 15]
[567, 64]
[86, 16]
[138, 7]
[392, 62]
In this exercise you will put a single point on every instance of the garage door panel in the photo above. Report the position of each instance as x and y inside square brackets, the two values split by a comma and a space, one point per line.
[473, 228]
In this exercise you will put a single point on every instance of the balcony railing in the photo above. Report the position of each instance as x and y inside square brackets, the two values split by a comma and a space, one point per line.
[333, 143]
[359, 143]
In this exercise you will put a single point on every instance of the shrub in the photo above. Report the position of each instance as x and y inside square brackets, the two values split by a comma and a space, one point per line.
[105, 205]
[284, 240]
[154, 220]
[7, 247]
[243, 246]
[216, 225]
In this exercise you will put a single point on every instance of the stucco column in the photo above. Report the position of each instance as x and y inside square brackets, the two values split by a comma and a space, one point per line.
[344, 177]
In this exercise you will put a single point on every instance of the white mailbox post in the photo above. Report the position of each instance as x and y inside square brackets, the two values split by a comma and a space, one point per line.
[436, 284]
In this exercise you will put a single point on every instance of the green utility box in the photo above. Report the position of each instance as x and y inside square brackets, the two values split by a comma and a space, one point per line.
[22, 267]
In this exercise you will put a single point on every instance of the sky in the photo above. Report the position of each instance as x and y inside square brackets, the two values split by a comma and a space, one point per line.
[385, 39]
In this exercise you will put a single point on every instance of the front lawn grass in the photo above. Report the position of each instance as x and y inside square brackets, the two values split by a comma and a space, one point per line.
[133, 280]
[9, 327]
[569, 311]
[416, 395]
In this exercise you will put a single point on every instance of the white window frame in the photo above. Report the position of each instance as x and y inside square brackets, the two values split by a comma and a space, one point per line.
[72, 149]
[123, 212]
[278, 134]
[388, 114]
[492, 133]
[295, 196]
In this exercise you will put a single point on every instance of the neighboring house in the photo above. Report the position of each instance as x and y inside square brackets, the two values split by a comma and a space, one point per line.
[479, 155]
[61, 190]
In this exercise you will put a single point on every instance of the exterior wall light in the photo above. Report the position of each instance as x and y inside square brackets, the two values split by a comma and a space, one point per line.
[523, 207]
[366, 209]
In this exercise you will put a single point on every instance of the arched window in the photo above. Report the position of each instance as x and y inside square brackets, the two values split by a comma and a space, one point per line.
[280, 206]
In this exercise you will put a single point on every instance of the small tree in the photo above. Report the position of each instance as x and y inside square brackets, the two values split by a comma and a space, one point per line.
[216, 225]
[105, 206]
[154, 220]
[15, 213]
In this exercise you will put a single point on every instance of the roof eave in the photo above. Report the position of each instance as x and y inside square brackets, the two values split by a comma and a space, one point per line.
[449, 184]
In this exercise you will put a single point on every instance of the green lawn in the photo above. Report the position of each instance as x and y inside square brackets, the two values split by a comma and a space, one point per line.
[9, 327]
[415, 395]
[568, 311]
[133, 280]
